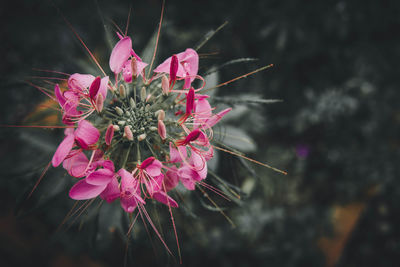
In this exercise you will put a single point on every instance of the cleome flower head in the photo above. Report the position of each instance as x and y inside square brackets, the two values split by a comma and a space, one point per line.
[136, 136]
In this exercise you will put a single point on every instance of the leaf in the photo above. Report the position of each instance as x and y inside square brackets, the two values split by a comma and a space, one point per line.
[209, 35]
[246, 99]
[236, 138]
[211, 81]
[230, 62]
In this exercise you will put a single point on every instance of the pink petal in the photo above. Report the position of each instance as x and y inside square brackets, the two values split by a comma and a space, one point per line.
[127, 71]
[86, 134]
[100, 177]
[202, 112]
[200, 165]
[202, 139]
[175, 155]
[129, 204]
[120, 54]
[165, 199]
[154, 169]
[209, 154]
[60, 98]
[154, 184]
[108, 164]
[140, 67]
[82, 190]
[187, 175]
[166, 66]
[104, 87]
[217, 117]
[111, 192]
[79, 81]
[171, 179]
[62, 150]
[127, 180]
[76, 165]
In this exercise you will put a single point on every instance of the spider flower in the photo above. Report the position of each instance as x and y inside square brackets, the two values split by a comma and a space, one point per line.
[156, 132]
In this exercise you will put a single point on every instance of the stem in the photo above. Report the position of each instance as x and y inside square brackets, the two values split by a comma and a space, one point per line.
[126, 156]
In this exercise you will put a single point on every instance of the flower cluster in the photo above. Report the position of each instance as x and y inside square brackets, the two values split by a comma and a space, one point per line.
[137, 137]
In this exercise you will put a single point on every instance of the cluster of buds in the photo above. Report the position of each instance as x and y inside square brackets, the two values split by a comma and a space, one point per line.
[136, 138]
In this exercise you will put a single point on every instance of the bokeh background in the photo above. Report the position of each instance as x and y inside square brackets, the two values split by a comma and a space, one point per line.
[336, 132]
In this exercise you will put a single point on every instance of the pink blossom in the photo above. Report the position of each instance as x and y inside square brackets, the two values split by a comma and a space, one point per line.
[130, 191]
[151, 176]
[84, 136]
[78, 164]
[80, 83]
[203, 117]
[120, 60]
[81, 86]
[187, 67]
[193, 171]
[95, 182]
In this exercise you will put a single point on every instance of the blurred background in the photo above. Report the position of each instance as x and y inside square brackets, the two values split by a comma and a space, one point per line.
[336, 133]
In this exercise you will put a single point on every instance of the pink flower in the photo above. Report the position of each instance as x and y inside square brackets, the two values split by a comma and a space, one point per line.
[84, 136]
[198, 142]
[95, 182]
[193, 171]
[203, 117]
[120, 60]
[150, 175]
[81, 85]
[130, 191]
[187, 67]
[78, 164]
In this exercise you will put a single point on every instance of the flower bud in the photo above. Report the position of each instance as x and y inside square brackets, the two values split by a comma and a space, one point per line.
[143, 94]
[109, 134]
[162, 131]
[173, 69]
[119, 111]
[132, 102]
[134, 68]
[161, 115]
[99, 102]
[141, 137]
[122, 90]
[165, 85]
[128, 133]
[116, 128]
